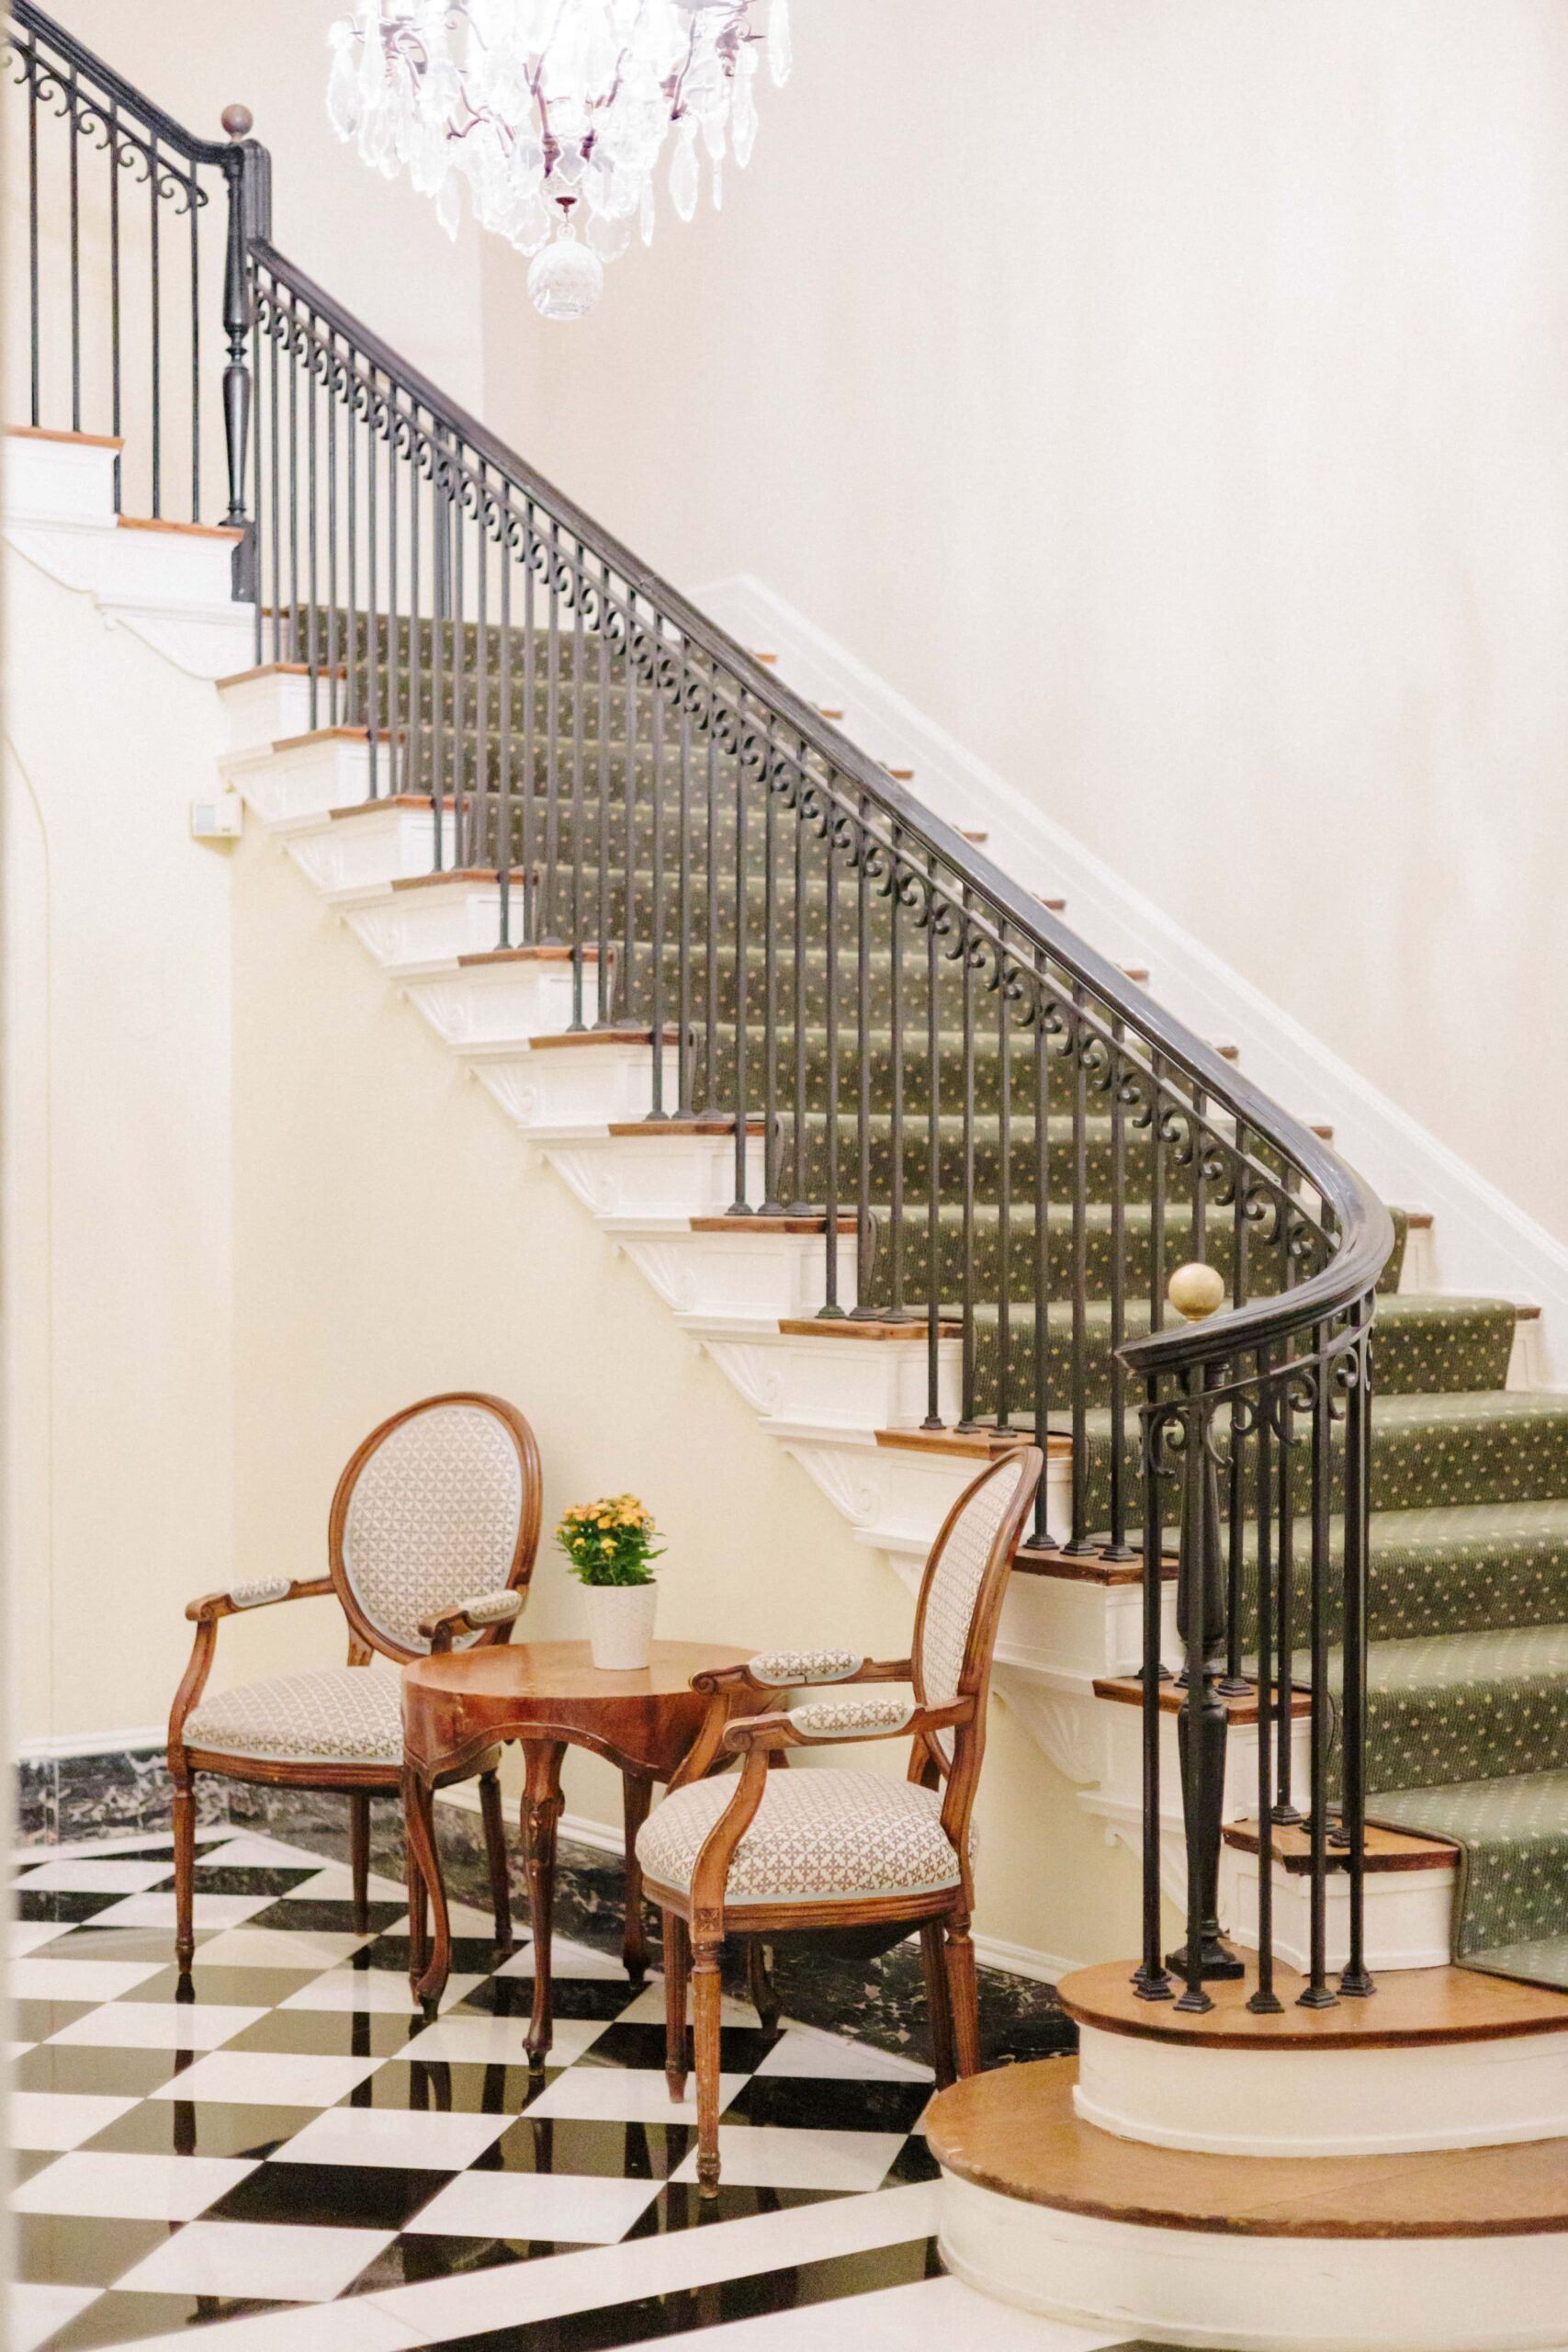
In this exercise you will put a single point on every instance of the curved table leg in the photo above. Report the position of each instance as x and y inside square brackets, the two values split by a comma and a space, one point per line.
[425, 1865]
[637, 1794]
[541, 1813]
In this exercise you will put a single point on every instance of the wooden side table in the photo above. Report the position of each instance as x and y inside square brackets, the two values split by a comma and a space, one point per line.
[550, 1696]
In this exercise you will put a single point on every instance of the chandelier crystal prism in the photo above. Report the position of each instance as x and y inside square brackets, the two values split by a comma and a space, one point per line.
[557, 113]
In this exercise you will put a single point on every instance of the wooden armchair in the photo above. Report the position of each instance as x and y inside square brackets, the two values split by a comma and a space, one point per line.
[767, 1853]
[430, 1544]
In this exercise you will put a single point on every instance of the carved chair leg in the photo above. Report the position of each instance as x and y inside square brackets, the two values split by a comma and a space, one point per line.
[185, 1870]
[938, 2005]
[677, 1969]
[359, 1858]
[637, 1794]
[760, 1986]
[963, 1996]
[706, 1996]
[495, 1851]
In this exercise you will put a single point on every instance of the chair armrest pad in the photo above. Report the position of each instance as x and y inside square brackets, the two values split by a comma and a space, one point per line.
[256, 1592]
[821, 1721]
[790, 1669]
[864, 1718]
[470, 1616]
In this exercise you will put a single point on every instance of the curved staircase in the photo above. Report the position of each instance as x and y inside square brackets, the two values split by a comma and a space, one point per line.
[916, 1166]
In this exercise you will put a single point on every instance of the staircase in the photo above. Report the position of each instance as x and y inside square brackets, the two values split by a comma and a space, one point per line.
[928, 1177]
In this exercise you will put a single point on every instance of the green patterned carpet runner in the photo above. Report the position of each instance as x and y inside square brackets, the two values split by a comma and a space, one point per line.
[1468, 1733]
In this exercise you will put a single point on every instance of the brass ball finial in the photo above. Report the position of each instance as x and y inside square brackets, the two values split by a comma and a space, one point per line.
[237, 121]
[1195, 1290]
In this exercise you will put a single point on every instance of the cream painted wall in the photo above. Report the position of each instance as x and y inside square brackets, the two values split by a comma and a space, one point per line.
[117, 1340]
[1169, 399]
[393, 1235]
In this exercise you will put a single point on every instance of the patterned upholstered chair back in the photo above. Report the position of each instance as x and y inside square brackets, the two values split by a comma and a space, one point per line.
[961, 1594]
[439, 1505]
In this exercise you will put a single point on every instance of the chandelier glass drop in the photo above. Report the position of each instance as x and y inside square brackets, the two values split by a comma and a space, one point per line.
[557, 114]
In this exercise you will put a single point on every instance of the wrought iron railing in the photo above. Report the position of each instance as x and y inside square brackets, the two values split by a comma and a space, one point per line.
[1005, 1145]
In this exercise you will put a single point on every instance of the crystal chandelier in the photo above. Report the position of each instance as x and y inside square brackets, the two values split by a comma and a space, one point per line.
[556, 112]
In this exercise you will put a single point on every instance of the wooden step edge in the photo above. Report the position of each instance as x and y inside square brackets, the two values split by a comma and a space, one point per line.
[1241, 1706]
[72, 440]
[1419, 1220]
[184, 530]
[715, 1129]
[276, 670]
[1015, 2130]
[752, 1222]
[900, 775]
[1075, 1568]
[1388, 1850]
[386, 801]
[1524, 1313]
[976, 1445]
[469, 876]
[1412, 2007]
[321, 735]
[1137, 973]
[847, 1326]
[480, 958]
[556, 1040]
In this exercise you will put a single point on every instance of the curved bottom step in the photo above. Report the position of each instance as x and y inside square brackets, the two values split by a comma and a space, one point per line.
[1248, 2253]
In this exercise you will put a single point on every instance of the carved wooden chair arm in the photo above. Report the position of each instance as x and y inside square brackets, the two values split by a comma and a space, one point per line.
[819, 1722]
[470, 1616]
[255, 1592]
[208, 1614]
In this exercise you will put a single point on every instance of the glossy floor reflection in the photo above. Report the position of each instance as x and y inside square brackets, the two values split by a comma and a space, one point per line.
[283, 2156]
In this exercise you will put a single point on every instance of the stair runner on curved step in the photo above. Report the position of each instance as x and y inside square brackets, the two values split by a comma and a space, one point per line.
[1468, 1731]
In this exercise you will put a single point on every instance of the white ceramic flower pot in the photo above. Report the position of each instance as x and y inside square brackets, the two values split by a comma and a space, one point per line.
[620, 1624]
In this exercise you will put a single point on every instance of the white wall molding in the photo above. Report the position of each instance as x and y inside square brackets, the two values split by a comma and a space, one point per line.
[1483, 1242]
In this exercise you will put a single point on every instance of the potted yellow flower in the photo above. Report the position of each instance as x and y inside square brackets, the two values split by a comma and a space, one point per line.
[609, 1547]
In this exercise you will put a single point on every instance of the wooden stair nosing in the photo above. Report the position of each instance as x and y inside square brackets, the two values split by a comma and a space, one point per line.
[753, 1222]
[1387, 1851]
[1412, 2009]
[1241, 1706]
[184, 530]
[72, 440]
[1014, 2131]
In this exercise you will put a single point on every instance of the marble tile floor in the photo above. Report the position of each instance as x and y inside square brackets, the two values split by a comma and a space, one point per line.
[292, 2161]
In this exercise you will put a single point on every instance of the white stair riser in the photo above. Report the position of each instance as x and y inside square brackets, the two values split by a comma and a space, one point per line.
[505, 1004]
[1258, 2293]
[1408, 1919]
[806, 1385]
[1079, 1627]
[1265, 2101]
[739, 1275]
[271, 707]
[57, 482]
[430, 926]
[302, 783]
[628, 1182]
[352, 855]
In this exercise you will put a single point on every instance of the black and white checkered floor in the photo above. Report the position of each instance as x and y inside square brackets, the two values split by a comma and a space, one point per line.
[292, 2163]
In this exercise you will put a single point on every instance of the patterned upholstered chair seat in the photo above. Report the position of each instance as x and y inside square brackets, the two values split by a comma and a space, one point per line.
[824, 1836]
[344, 1714]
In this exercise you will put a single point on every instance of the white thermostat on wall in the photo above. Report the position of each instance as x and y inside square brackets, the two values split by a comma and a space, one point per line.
[222, 818]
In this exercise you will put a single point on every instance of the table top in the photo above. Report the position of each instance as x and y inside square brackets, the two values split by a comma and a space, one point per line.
[565, 1670]
[460, 1703]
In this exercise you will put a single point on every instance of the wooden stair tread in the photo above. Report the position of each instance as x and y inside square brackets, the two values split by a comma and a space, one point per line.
[73, 440]
[752, 1221]
[1014, 2131]
[321, 735]
[277, 669]
[1412, 2007]
[468, 875]
[480, 958]
[186, 530]
[1387, 1850]
[1072, 1568]
[1241, 1706]
[844, 1326]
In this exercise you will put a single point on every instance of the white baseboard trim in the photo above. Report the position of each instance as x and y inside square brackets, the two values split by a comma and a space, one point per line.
[1483, 1242]
[92, 1743]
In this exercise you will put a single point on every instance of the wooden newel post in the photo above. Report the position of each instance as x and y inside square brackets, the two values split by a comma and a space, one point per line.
[1195, 1292]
